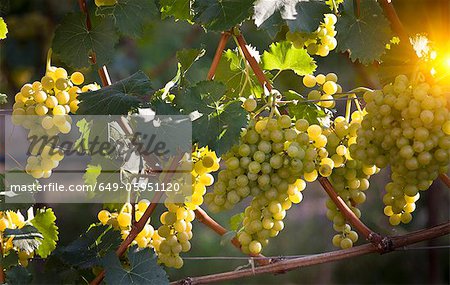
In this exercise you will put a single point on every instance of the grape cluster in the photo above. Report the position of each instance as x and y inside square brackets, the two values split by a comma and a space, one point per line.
[13, 220]
[176, 229]
[122, 221]
[327, 87]
[319, 42]
[272, 157]
[407, 126]
[42, 108]
[350, 177]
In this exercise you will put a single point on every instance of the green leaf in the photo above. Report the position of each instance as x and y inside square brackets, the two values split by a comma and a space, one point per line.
[284, 56]
[11, 259]
[3, 29]
[232, 71]
[264, 9]
[187, 57]
[202, 97]
[179, 9]
[220, 123]
[400, 59]
[18, 275]
[44, 221]
[75, 43]
[3, 99]
[130, 16]
[82, 143]
[88, 250]
[220, 130]
[92, 173]
[221, 15]
[117, 99]
[236, 221]
[355, 34]
[143, 268]
[27, 238]
[26, 232]
[10, 200]
[309, 16]
[307, 110]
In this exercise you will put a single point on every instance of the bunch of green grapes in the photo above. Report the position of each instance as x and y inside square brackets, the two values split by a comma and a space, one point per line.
[407, 126]
[122, 221]
[272, 157]
[327, 87]
[319, 42]
[176, 229]
[42, 108]
[13, 220]
[350, 177]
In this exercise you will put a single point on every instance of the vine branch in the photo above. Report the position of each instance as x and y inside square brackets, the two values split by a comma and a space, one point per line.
[444, 178]
[218, 55]
[327, 257]
[396, 24]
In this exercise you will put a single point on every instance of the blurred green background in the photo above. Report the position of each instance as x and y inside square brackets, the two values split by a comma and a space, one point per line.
[31, 25]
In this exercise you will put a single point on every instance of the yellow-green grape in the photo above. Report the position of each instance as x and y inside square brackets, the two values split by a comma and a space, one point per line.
[329, 87]
[51, 102]
[124, 219]
[104, 216]
[320, 79]
[77, 78]
[250, 104]
[62, 97]
[59, 110]
[61, 83]
[41, 110]
[47, 83]
[309, 81]
[60, 73]
[40, 96]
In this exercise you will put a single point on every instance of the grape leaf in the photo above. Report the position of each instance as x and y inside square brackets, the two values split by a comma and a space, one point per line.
[116, 99]
[236, 221]
[354, 34]
[400, 59]
[92, 173]
[130, 16]
[309, 16]
[307, 110]
[179, 9]
[89, 248]
[187, 57]
[44, 221]
[3, 99]
[202, 97]
[75, 43]
[221, 15]
[232, 72]
[143, 268]
[26, 238]
[3, 29]
[18, 275]
[264, 9]
[11, 259]
[284, 56]
[220, 122]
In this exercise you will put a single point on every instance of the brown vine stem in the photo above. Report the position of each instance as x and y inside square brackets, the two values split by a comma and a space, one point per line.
[327, 257]
[396, 24]
[205, 219]
[380, 242]
[218, 55]
[444, 178]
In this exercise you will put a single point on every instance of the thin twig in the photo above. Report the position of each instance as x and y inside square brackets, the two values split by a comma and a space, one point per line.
[218, 55]
[291, 264]
[444, 178]
[205, 219]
